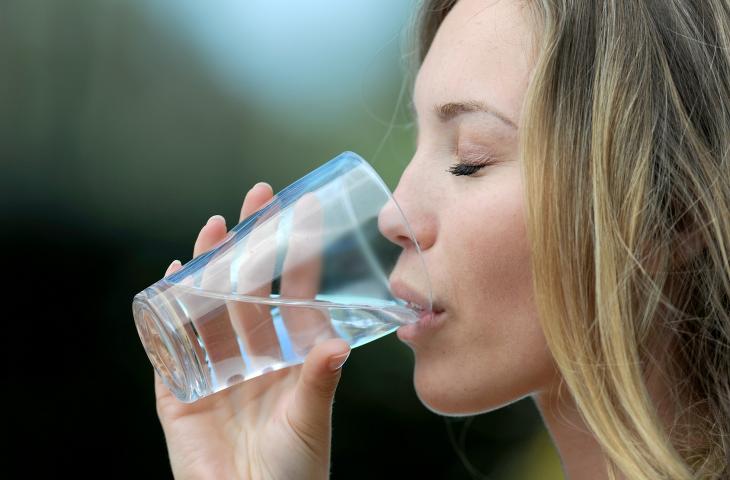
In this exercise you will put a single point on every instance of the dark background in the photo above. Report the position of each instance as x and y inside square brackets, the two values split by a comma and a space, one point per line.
[124, 125]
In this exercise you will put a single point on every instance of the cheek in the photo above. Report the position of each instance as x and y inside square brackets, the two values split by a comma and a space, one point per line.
[492, 267]
[493, 352]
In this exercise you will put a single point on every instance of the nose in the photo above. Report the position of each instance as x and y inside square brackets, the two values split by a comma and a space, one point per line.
[413, 207]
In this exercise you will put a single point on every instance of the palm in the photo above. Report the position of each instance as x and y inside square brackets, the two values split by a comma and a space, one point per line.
[254, 429]
[213, 435]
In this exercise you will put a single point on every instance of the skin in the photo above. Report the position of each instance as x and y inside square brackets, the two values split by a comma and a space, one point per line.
[471, 229]
[275, 426]
[490, 350]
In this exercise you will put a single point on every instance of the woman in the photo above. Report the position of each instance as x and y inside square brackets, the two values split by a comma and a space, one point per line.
[579, 245]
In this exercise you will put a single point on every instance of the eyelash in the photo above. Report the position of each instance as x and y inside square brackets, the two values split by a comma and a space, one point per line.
[470, 168]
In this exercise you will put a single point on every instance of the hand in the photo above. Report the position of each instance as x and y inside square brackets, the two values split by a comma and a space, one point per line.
[275, 426]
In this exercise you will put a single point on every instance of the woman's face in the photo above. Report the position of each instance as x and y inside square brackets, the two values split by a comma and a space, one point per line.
[487, 348]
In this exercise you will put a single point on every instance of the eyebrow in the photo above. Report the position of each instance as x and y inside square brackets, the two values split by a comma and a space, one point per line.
[448, 111]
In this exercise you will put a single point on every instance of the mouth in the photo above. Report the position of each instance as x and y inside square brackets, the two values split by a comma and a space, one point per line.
[428, 322]
[414, 299]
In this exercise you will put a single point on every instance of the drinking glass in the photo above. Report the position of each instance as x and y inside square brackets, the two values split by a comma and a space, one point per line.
[311, 264]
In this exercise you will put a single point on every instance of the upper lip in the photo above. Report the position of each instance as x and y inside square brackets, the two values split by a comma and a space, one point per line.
[401, 290]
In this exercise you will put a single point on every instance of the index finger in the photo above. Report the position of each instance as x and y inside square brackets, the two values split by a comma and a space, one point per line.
[301, 277]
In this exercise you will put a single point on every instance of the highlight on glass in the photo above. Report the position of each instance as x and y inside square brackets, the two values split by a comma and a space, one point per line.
[311, 264]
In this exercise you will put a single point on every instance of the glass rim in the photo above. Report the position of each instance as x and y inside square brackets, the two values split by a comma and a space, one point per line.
[345, 161]
[379, 180]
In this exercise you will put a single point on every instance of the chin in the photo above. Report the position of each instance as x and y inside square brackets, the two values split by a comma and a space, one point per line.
[452, 396]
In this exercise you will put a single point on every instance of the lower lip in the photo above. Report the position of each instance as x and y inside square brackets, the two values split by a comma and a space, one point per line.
[427, 322]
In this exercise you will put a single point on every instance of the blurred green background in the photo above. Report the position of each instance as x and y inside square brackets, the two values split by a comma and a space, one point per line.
[124, 125]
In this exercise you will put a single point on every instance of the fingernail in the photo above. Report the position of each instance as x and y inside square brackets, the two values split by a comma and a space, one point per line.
[172, 266]
[216, 217]
[339, 360]
[261, 183]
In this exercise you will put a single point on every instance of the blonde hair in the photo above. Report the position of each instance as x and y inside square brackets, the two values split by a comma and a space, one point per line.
[624, 139]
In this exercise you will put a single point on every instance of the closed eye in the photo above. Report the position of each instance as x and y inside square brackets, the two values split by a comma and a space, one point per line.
[465, 168]
[470, 163]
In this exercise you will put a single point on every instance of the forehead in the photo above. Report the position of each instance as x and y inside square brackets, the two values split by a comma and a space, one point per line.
[479, 52]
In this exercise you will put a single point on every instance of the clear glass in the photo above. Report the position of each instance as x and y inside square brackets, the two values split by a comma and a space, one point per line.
[311, 264]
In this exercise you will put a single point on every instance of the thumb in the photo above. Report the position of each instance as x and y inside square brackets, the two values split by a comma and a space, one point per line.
[311, 410]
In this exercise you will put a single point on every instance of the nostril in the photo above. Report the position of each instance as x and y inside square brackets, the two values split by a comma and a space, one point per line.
[406, 231]
[403, 241]
[395, 234]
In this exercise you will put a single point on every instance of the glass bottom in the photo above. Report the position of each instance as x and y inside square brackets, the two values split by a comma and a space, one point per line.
[163, 351]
